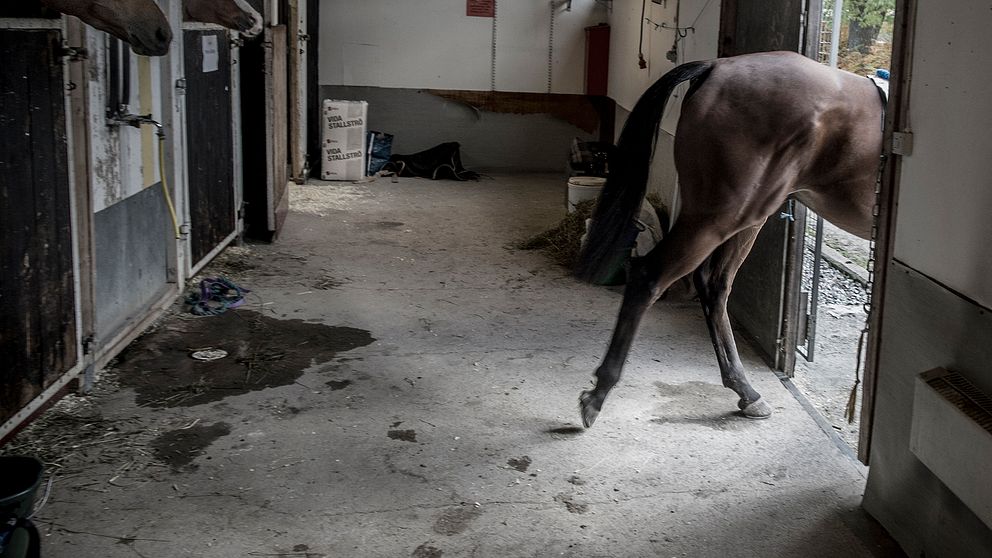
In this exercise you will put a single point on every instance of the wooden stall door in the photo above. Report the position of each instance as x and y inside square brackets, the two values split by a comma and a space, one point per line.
[764, 300]
[209, 139]
[265, 133]
[277, 118]
[38, 341]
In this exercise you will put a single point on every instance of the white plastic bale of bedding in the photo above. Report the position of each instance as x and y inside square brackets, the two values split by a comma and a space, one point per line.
[343, 141]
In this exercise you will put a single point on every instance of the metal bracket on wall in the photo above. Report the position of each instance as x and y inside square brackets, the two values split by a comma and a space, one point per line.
[902, 143]
[75, 54]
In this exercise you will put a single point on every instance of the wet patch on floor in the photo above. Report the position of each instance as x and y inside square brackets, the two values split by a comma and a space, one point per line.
[519, 463]
[178, 448]
[456, 520]
[404, 435]
[263, 352]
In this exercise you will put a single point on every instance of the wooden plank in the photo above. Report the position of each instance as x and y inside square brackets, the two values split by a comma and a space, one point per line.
[210, 143]
[36, 258]
[17, 322]
[27, 10]
[278, 131]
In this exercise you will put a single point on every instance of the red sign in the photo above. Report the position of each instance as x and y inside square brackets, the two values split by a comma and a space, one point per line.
[480, 8]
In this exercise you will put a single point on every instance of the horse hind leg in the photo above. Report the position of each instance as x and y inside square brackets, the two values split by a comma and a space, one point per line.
[674, 257]
[713, 280]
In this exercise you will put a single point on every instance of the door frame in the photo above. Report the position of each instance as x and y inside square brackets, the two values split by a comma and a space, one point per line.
[896, 118]
[297, 51]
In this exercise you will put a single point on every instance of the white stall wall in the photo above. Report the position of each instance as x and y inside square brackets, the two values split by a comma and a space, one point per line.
[628, 81]
[124, 159]
[433, 44]
[945, 198]
[938, 291]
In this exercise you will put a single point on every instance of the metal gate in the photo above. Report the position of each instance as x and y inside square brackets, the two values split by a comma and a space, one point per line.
[765, 296]
[40, 347]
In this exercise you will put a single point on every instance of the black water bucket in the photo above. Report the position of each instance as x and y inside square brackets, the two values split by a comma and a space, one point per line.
[19, 480]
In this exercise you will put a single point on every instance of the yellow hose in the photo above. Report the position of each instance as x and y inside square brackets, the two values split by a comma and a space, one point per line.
[165, 186]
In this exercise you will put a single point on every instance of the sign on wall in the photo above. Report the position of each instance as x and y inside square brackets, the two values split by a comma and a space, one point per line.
[480, 8]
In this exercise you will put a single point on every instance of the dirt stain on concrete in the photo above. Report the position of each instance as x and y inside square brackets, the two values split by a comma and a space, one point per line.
[568, 431]
[456, 520]
[519, 463]
[335, 385]
[263, 352]
[571, 505]
[426, 550]
[178, 448]
[404, 435]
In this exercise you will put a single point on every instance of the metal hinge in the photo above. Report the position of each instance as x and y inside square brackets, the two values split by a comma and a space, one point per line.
[181, 86]
[902, 143]
[75, 54]
[87, 343]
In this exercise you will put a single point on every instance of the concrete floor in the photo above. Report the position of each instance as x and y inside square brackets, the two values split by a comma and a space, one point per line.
[409, 389]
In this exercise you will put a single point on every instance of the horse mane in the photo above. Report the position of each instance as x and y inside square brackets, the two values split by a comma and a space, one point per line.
[612, 229]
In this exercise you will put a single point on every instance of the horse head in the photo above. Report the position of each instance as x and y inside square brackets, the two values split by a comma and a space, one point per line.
[139, 23]
[233, 14]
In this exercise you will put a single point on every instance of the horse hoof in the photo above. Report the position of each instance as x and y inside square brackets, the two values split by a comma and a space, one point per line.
[588, 408]
[757, 409]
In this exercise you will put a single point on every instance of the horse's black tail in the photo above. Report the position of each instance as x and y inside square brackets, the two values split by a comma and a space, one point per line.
[612, 226]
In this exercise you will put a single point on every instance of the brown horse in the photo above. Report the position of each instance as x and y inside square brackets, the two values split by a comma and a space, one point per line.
[139, 23]
[754, 130]
[233, 14]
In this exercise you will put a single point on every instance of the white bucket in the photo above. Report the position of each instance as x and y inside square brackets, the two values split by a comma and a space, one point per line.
[582, 188]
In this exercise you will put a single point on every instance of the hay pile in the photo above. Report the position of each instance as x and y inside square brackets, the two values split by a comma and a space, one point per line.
[73, 439]
[562, 242]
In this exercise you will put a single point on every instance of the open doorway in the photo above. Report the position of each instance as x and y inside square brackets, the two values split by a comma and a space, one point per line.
[835, 278]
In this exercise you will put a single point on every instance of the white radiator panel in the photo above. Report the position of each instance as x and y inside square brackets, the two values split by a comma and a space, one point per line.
[952, 435]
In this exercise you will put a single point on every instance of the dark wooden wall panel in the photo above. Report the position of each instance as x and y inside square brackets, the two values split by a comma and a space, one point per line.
[254, 140]
[37, 314]
[210, 141]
